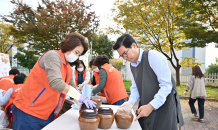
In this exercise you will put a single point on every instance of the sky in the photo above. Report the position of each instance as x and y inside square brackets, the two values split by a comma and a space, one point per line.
[102, 9]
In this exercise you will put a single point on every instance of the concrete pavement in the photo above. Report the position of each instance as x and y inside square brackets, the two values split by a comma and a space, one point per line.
[210, 116]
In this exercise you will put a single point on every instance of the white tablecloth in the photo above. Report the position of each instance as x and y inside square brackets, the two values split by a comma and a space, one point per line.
[69, 121]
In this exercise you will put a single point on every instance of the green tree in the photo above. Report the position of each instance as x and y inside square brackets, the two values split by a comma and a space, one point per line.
[213, 68]
[6, 39]
[117, 64]
[101, 44]
[45, 27]
[155, 25]
[200, 21]
[26, 59]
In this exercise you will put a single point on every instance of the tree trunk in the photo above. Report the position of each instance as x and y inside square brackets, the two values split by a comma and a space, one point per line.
[177, 75]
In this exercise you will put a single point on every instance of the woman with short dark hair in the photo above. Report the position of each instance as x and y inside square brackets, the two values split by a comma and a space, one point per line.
[110, 82]
[197, 86]
[42, 96]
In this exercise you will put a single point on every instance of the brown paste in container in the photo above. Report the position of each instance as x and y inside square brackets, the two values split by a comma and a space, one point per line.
[98, 100]
[83, 107]
[123, 119]
[88, 120]
[106, 117]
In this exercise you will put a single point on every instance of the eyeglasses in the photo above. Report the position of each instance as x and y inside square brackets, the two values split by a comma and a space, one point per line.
[124, 54]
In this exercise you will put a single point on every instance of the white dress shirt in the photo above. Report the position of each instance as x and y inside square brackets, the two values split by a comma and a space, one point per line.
[158, 63]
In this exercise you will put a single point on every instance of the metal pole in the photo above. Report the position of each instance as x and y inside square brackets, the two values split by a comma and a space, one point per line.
[91, 46]
[91, 51]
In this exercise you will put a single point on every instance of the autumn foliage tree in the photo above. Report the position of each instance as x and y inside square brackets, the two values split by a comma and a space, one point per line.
[6, 39]
[45, 27]
[200, 22]
[117, 64]
[156, 25]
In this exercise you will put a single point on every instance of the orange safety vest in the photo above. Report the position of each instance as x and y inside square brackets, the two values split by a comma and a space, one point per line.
[36, 97]
[6, 82]
[16, 88]
[114, 89]
[96, 74]
[84, 76]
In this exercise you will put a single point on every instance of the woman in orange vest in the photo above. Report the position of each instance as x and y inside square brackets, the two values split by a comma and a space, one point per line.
[95, 77]
[110, 80]
[81, 75]
[42, 96]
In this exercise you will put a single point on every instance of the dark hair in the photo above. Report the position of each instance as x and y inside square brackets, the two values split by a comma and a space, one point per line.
[80, 62]
[22, 74]
[18, 79]
[196, 71]
[73, 40]
[101, 60]
[126, 40]
[91, 62]
[14, 72]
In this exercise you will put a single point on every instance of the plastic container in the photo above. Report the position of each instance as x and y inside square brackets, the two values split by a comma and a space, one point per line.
[106, 116]
[88, 120]
[123, 119]
[98, 100]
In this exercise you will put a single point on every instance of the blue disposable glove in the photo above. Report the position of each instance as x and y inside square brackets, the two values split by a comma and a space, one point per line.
[89, 103]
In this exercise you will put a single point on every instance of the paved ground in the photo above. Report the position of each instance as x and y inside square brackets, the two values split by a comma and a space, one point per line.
[210, 116]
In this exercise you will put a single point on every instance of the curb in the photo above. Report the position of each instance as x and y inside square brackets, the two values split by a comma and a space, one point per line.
[209, 99]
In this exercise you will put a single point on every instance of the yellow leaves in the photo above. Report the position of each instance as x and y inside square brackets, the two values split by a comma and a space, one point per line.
[189, 62]
[6, 39]
[117, 63]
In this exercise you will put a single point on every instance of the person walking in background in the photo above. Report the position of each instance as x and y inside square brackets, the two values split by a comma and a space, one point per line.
[197, 86]
[152, 83]
[6, 82]
[110, 81]
[81, 75]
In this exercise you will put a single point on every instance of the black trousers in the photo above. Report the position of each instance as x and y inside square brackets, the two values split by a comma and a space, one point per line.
[200, 106]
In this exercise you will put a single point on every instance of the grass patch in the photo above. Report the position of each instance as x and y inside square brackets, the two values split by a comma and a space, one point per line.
[212, 92]
[127, 84]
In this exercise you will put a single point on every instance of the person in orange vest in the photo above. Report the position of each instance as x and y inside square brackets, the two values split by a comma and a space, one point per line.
[110, 81]
[7, 82]
[95, 77]
[41, 98]
[81, 75]
[18, 84]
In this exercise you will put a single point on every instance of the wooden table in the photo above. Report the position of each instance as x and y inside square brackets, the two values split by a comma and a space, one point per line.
[69, 121]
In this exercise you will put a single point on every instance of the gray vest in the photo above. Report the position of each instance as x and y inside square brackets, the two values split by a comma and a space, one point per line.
[169, 114]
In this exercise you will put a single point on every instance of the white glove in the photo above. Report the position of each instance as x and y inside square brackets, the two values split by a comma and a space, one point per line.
[185, 93]
[126, 106]
[77, 102]
[73, 93]
[80, 86]
[104, 99]
[93, 87]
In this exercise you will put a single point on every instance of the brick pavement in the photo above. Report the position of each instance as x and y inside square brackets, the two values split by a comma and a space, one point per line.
[210, 116]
